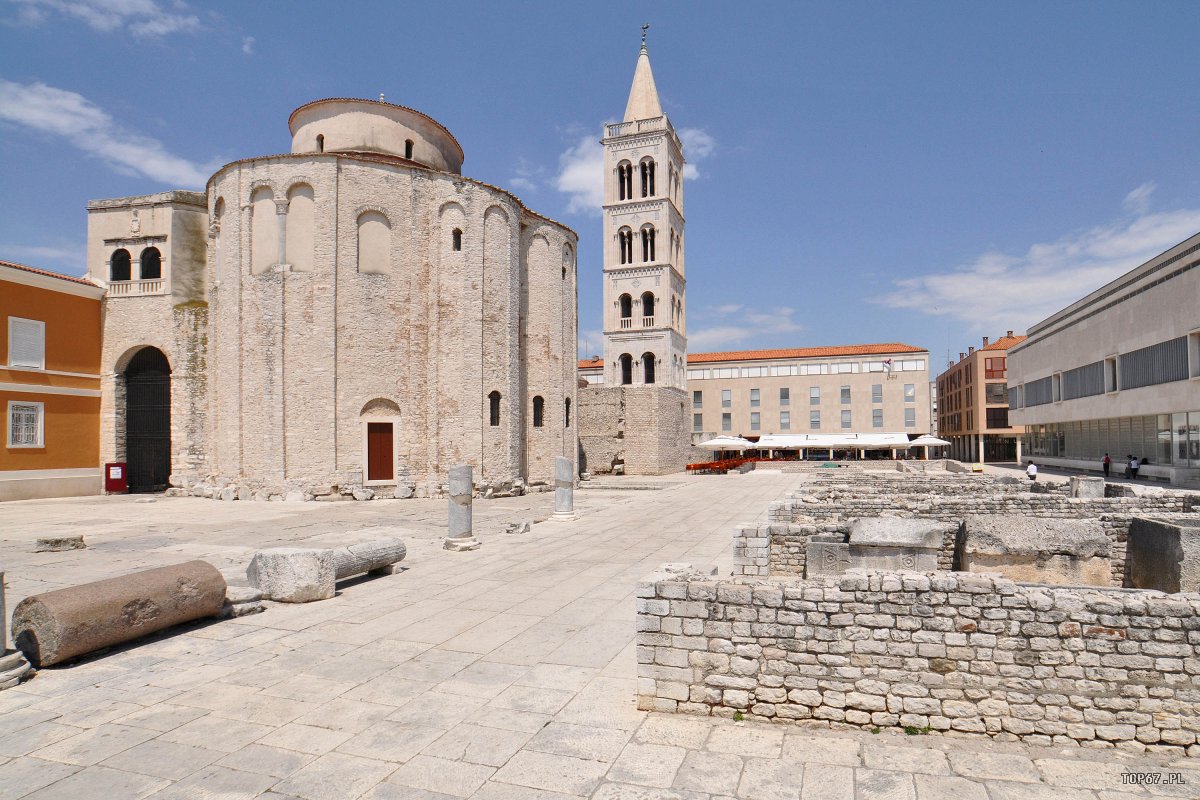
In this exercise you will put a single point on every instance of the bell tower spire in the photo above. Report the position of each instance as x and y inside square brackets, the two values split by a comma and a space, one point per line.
[645, 339]
[643, 95]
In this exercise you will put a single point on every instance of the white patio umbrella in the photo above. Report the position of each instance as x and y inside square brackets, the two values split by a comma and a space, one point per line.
[928, 441]
[728, 443]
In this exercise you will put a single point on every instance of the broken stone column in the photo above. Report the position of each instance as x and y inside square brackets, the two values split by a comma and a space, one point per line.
[55, 626]
[293, 574]
[564, 490]
[462, 489]
[374, 558]
[13, 666]
[1086, 487]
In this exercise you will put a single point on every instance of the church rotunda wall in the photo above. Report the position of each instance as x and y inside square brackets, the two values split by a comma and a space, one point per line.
[376, 127]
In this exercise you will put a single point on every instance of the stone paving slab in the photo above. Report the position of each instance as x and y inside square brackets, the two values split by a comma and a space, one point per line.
[506, 673]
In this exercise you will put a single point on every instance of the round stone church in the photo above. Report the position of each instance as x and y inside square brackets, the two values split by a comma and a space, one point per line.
[351, 318]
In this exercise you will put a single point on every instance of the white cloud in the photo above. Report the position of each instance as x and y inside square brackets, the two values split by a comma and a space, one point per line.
[997, 291]
[248, 45]
[89, 128]
[142, 18]
[697, 146]
[721, 327]
[1138, 201]
[581, 175]
[69, 258]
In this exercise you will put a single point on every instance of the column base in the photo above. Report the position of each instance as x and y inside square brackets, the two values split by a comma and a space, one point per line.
[563, 516]
[461, 543]
[14, 668]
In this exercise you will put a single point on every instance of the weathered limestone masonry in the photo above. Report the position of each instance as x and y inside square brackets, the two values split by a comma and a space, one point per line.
[645, 428]
[972, 653]
[777, 547]
[338, 318]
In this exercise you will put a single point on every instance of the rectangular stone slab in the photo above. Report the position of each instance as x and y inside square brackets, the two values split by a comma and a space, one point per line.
[1164, 554]
[921, 534]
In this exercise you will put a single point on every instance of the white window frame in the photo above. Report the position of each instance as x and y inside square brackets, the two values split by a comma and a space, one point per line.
[41, 427]
[42, 326]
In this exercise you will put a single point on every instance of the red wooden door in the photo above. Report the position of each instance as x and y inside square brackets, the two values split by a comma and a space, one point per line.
[379, 452]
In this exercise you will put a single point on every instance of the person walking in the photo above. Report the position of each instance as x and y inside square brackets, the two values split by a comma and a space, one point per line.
[1031, 471]
[1128, 461]
[1133, 467]
[1107, 465]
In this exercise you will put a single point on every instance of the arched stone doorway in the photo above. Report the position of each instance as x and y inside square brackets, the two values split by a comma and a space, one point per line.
[148, 421]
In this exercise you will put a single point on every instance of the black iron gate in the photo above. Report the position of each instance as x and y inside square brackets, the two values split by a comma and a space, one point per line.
[148, 421]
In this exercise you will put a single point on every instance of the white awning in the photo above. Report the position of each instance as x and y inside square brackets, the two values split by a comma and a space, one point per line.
[861, 441]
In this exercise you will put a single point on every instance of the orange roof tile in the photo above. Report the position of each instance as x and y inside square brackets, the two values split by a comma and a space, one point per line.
[47, 273]
[1005, 342]
[806, 352]
[797, 352]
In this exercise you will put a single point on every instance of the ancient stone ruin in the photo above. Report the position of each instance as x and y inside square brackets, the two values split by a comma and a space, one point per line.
[940, 601]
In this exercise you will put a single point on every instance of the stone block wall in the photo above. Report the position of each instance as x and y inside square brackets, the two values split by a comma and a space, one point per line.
[970, 653]
[643, 427]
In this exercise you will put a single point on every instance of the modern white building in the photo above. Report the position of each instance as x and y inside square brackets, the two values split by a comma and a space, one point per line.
[1117, 372]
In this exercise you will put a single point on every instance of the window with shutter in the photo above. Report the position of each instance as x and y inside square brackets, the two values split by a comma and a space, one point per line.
[26, 343]
[24, 424]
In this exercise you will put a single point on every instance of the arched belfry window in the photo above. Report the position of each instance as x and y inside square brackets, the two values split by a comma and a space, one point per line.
[119, 266]
[625, 306]
[456, 239]
[648, 178]
[647, 243]
[648, 368]
[408, 148]
[648, 305]
[625, 181]
[539, 411]
[494, 409]
[625, 366]
[151, 264]
[625, 237]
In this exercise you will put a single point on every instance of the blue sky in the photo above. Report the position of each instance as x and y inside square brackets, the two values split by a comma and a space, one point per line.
[919, 172]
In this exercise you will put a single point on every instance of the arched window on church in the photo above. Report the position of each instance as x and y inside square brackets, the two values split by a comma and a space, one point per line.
[648, 243]
[567, 413]
[408, 148]
[494, 409]
[625, 367]
[264, 231]
[151, 264]
[568, 264]
[301, 219]
[647, 367]
[625, 238]
[374, 243]
[648, 177]
[625, 306]
[625, 181]
[539, 411]
[648, 309]
[320, 143]
[119, 266]
[456, 239]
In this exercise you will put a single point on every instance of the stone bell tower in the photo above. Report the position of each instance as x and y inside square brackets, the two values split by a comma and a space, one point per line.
[636, 419]
[645, 340]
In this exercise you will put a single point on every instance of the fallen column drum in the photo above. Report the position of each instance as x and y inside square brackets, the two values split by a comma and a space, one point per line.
[58, 625]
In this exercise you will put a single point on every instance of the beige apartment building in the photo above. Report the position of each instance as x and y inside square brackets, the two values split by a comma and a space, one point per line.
[973, 404]
[859, 389]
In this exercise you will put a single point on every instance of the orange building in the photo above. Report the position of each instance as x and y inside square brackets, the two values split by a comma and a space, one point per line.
[972, 410]
[49, 384]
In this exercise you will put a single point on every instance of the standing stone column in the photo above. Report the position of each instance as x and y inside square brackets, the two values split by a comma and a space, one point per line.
[462, 490]
[564, 490]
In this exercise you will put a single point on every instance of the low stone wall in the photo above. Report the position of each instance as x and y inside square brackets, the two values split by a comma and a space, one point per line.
[970, 653]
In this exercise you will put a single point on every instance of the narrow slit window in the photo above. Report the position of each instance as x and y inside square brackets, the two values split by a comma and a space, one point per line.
[539, 412]
[456, 240]
[494, 409]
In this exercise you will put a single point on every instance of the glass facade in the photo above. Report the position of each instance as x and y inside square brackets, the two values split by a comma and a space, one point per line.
[1169, 439]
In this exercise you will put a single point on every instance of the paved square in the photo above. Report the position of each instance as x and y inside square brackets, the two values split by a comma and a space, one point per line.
[506, 673]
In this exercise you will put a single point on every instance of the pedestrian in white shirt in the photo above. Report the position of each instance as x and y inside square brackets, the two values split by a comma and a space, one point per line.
[1031, 471]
